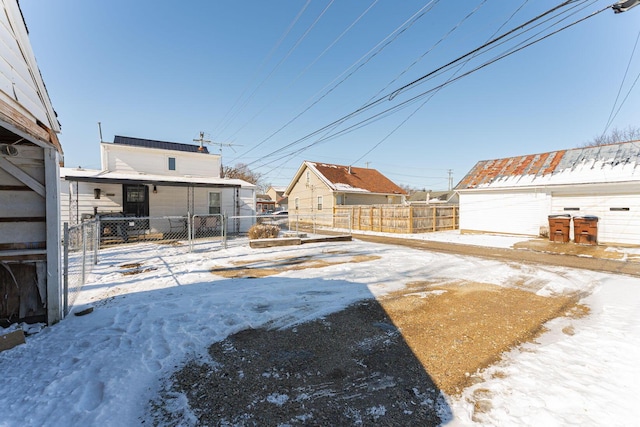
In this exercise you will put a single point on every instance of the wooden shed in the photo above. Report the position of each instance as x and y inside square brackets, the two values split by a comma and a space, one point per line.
[30, 154]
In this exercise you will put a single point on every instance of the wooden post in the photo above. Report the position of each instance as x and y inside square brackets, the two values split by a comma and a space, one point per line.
[433, 215]
[410, 219]
[52, 208]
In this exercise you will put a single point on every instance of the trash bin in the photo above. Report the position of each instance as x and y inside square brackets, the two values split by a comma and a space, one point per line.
[559, 228]
[585, 230]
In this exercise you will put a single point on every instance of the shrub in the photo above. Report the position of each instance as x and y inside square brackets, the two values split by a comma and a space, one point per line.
[264, 231]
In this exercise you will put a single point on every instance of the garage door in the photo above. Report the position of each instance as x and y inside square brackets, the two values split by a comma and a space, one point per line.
[619, 220]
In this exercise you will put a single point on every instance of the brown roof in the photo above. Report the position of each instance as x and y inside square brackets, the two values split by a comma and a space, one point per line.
[353, 179]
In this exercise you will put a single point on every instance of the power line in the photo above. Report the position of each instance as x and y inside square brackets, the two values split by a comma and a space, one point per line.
[438, 87]
[612, 116]
[366, 58]
[262, 65]
[333, 43]
[288, 54]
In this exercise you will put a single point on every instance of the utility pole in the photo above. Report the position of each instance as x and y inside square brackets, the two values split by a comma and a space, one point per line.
[450, 171]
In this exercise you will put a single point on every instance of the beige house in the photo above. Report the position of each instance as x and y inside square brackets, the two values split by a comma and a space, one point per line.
[317, 188]
[277, 195]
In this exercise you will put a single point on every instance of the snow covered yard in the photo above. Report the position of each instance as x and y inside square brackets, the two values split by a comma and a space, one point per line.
[105, 367]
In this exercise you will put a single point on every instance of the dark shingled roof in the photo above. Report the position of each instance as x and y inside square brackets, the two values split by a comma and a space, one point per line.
[150, 143]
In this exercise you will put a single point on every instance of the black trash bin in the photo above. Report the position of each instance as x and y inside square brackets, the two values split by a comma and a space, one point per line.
[559, 228]
[585, 229]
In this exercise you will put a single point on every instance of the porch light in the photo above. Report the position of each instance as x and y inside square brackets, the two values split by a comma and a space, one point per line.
[96, 193]
[155, 189]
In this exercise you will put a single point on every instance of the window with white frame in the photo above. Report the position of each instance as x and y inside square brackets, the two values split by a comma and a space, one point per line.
[214, 203]
[319, 203]
[172, 163]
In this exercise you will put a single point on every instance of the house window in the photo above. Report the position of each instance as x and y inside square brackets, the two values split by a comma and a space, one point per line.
[214, 203]
[319, 203]
[297, 203]
[135, 194]
[172, 163]
[339, 199]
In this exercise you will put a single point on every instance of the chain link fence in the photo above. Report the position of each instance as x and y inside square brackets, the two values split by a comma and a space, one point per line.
[83, 242]
[80, 254]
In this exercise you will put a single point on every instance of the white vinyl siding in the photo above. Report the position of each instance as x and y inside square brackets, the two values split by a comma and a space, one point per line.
[501, 212]
[614, 226]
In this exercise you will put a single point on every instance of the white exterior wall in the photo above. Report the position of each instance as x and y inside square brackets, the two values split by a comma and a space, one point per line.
[125, 158]
[504, 212]
[80, 197]
[614, 226]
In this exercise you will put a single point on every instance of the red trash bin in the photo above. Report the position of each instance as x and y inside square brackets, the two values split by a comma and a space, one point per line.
[559, 228]
[585, 230]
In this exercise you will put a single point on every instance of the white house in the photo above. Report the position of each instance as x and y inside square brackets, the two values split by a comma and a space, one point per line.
[148, 178]
[30, 153]
[516, 195]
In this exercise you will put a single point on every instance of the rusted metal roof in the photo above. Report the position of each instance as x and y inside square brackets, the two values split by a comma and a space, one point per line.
[353, 179]
[605, 163]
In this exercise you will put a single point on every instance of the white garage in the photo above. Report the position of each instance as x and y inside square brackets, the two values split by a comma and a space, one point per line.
[516, 195]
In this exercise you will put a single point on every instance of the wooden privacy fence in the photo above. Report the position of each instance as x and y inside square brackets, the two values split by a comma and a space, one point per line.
[397, 218]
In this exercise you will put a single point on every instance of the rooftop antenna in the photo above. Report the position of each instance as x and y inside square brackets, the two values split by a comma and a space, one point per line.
[100, 130]
[203, 141]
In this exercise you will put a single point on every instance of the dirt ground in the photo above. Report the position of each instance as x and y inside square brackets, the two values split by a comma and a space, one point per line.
[382, 362]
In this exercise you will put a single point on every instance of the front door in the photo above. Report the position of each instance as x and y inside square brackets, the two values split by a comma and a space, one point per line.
[135, 200]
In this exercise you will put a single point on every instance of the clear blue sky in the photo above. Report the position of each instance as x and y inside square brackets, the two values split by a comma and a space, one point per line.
[242, 70]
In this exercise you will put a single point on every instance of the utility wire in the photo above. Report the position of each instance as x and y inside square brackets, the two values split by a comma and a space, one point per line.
[612, 116]
[263, 64]
[306, 69]
[277, 67]
[415, 98]
[366, 58]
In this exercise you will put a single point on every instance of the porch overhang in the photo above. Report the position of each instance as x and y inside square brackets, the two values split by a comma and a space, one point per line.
[150, 181]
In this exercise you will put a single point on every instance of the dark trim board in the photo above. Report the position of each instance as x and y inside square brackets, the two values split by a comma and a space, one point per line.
[148, 182]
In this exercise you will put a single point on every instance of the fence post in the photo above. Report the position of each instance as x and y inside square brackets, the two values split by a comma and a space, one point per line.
[189, 237]
[65, 269]
[96, 241]
[84, 252]
[433, 215]
[224, 230]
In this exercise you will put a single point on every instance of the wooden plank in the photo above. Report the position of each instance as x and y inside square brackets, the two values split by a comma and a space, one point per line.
[12, 339]
[344, 238]
[268, 243]
[23, 219]
[54, 283]
[21, 121]
[22, 176]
